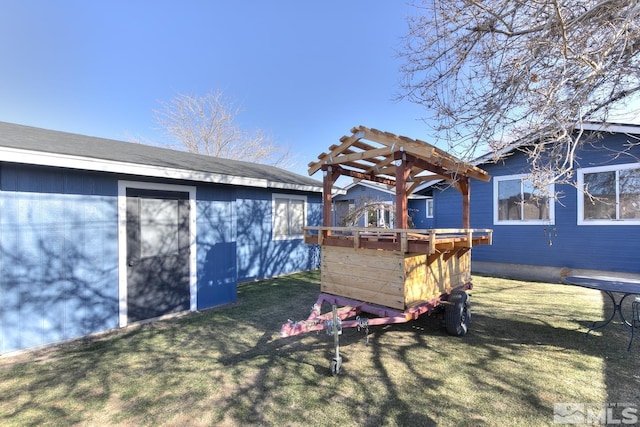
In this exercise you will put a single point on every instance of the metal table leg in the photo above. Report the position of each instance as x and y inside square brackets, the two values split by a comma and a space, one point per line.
[635, 321]
[617, 308]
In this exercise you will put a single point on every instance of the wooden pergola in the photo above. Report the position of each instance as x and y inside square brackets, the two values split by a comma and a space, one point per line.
[398, 161]
[397, 267]
[399, 273]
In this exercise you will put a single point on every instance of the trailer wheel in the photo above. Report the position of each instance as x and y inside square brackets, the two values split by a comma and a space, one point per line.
[457, 314]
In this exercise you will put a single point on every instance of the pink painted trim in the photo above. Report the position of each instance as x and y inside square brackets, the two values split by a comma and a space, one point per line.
[350, 308]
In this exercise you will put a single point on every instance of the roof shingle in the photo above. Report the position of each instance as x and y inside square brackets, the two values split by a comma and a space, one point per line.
[32, 139]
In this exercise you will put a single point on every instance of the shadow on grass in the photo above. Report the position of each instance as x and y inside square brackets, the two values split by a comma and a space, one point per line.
[493, 343]
[229, 367]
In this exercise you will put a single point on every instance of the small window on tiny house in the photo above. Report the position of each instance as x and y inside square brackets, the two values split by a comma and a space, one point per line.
[289, 216]
[609, 195]
[518, 202]
[429, 208]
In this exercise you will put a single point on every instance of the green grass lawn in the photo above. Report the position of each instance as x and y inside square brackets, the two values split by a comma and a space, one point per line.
[525, 351]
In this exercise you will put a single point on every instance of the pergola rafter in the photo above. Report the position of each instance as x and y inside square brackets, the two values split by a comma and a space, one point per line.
[383, 157]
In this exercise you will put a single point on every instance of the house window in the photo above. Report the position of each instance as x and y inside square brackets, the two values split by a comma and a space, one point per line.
[429, 208]
[289, 214]
[381, 214]
[609, 195]
[518, 202]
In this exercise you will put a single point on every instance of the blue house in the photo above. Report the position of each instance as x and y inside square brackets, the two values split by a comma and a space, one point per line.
[97, 234]
[537, 239]
[374, 205]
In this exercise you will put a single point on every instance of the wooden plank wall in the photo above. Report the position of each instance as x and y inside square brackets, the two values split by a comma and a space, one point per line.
[390, 278]
[424, 282]
[369, 275]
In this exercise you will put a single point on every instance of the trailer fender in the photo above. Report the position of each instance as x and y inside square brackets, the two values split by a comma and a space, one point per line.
[457, 313]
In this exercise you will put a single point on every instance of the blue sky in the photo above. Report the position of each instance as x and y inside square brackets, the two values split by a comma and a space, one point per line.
[303, 71]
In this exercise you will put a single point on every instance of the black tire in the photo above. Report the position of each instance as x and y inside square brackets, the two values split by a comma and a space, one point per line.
[457, 314]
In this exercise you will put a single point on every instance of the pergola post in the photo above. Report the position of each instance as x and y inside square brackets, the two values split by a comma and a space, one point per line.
[465, 190]
[331, 174]
[402, 174]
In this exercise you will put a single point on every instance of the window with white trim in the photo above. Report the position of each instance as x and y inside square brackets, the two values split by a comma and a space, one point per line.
[289, 214]
[429, 208]
[516, 201]
[381, 214]
[609, 195]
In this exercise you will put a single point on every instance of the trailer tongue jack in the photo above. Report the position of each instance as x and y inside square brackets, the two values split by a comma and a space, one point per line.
[336, 331]
[334, 328]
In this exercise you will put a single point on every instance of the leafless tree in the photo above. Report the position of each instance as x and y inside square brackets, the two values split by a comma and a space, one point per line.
[368, 208]
[207, 125]
[490, 72]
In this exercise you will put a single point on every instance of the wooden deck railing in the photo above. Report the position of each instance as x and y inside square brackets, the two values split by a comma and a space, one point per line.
[427, 241]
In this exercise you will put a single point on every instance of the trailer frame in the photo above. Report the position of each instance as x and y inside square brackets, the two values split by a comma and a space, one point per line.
[350, 308]
[346, 313]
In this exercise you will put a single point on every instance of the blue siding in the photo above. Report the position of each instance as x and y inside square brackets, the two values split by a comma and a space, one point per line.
[259, 256]
[361, 192]
[564, 244]
[418, 214]
[59, 250]
[58, 255]
[217, 269]
[447, 207]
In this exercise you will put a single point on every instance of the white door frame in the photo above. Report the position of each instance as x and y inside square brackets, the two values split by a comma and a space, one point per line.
[122, 242]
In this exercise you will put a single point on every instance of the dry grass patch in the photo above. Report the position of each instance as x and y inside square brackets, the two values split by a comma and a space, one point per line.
[525, 351]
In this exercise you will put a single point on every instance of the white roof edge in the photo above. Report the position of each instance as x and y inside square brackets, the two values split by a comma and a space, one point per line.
[372, 185]
[610, 127]
[593, 126]
[77, 162]
[379, 187]
[285, 186]
[427, 184]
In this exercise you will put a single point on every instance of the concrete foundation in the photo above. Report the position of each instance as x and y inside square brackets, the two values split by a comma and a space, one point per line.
[539, 273]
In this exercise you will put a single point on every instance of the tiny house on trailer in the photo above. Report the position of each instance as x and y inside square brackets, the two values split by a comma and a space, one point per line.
[396, 274]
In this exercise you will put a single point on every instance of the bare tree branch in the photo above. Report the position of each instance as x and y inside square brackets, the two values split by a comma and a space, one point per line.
[206, 125]
[490, 72]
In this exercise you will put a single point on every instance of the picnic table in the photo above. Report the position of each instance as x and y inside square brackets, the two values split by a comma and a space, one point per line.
[610, 286]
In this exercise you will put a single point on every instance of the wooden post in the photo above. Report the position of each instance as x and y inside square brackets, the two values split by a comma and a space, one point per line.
[331, 174]
[463, 185]
[402, 173]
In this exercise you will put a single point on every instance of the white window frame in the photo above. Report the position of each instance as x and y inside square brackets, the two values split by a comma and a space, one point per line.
[427, 203]
[380, 214]
[580, 195]
[289, 197]
[522, 177]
